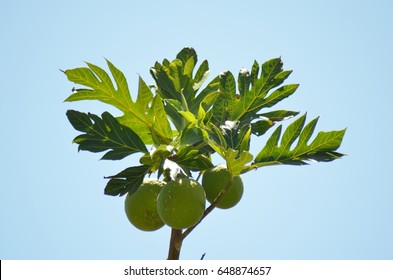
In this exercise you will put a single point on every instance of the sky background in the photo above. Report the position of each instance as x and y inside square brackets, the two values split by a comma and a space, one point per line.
[52, 204]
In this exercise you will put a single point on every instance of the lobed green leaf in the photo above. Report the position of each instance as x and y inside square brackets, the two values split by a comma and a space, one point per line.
[322, 148]
[127, 181]
[105, 133]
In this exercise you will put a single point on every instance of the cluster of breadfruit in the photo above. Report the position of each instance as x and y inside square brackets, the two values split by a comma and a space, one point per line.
[180, 203]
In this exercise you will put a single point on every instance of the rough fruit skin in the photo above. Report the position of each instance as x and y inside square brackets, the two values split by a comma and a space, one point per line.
[181, 203]
[141, 206]
[215, 179]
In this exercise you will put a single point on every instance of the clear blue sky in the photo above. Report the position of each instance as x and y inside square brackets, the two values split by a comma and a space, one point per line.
[52, 204]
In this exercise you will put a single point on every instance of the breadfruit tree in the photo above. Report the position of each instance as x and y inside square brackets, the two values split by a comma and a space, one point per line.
[177, 124]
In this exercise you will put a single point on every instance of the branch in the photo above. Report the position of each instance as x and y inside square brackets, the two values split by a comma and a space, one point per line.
[175, 244]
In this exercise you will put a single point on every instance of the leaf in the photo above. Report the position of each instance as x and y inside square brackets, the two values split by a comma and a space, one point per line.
[322, 148]
[279, 95]
[201, 115]
[160, 130]
[244, 138]
[175, 78]
[172, 109]
[254, 72]
[207, 96]
[156, 158]
[267, 120]
[152, 125]
[250, 101]
[236, 161]
[270, 69]
[188, 157]
[216, 134]
[177, 86]
[201, 75]
[243, 81]
[228, 84]
[145, 96]
[278, 115]
[235, 158]
[102, 86]
[260, 127]
[191, 136]
[305, 135]
[268, 80]
[127, 181]
[175, 73]
[326, 141]
[136, 115]
[167, 89]
[186, 54]
[215, 139]
[291, 133]
[188, 116]
[227, 94]
[103, 134]
[270, 147]
[189, 67]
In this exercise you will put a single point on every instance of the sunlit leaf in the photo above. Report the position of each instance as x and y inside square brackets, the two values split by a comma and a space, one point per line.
[101, 87]
[201, 75]
[145, 96]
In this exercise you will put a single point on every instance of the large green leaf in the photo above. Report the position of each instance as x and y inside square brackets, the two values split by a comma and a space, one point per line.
[322, 148]
[175, 79]
[106, 133]
[254, 94]
[101, 86]
[145, 117]
[252, 100]
[127, 181]
[178, 87]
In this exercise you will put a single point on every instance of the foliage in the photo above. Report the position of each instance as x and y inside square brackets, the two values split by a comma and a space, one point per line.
[182, 122]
